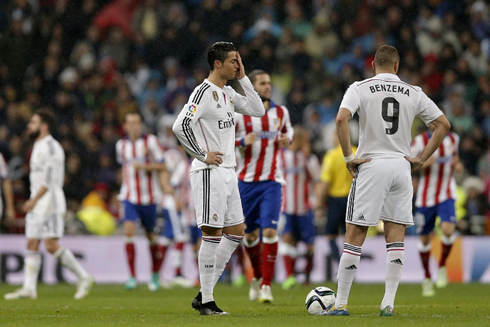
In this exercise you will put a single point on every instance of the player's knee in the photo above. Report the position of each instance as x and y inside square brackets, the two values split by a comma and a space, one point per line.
[51, 246]
[269, 232]
[33, 245]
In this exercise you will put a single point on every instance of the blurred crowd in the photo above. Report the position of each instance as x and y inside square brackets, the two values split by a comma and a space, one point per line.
[93, 61]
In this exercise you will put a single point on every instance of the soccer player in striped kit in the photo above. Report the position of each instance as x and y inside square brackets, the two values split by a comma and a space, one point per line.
[260, 181]
[382, 185]
[142, 158]
[436, 196]
[206, 129]
[301, 170]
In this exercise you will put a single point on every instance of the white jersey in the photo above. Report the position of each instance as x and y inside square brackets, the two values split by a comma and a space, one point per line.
[261, 161]
[139, 186]
[387, 107]
[436, 183]
[207, 121]
[300, 173]
[47, 168]
[4, 174]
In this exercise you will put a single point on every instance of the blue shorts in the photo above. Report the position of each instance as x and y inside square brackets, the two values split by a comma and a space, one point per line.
[147, 215]
[196, 234]
[425, 218]
[301, 227]
[261, 202]
[173, 227]
[336, 216]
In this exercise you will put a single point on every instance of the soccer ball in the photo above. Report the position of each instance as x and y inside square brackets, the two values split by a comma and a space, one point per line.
[319, 299]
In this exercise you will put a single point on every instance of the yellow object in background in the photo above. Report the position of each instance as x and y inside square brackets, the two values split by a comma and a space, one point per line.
[97, 220]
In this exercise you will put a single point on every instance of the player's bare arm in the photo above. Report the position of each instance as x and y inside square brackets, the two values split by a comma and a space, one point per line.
[9, 199]
[156, 166]
[342, 122]
[31, 203]
[441, 128]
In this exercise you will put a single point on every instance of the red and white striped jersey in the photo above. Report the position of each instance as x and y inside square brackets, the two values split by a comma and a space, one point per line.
[261, 160]
[300, 173]
[436, 182]
[4, 173]
[139, 186]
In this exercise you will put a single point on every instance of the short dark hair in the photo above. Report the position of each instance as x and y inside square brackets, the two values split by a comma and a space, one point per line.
[219, 51]
[254, 73]
[47, 117]
[386, 56]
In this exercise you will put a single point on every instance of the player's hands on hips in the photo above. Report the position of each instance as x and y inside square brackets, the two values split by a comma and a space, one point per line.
[29, 205]
[415, 163]
[241, 69]
[354, 164]
[250, 139]
[284, 141]
[138, 165]
[214, 158]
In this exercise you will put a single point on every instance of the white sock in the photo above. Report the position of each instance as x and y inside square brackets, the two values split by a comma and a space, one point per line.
[32, 265]
[395, 258]
[226, 248]
[67, 259]
[348, 265]
[207, 266]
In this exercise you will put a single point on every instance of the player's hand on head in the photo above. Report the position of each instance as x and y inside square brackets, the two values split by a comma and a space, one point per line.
[415, 163]
[354, 164]
[250, 138]
[214, 158]
[241, 69]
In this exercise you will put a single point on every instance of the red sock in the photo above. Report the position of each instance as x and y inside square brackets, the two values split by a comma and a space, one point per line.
[445, 253]
[309, 264]
[289, 265]
[269, 254]
[157, 255]
[179, 247]
[131, 254]
[425, 262]
[256, 259]
[239, 254]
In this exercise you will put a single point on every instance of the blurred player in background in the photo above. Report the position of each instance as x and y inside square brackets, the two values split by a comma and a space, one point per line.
[333, 190]
[8, 193]
[142, 158]
[175, 228]
[301, 170]
[206, 129]
[382, 186]
[46, 209]
[436, 196]
[260, 182]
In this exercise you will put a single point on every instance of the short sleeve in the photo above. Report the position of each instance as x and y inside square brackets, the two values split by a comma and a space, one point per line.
[351, 99]
[427, 110]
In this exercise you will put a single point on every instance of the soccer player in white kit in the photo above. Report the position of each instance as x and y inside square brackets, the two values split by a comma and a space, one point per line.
[206, 129]
[382, 185]
[46, 209]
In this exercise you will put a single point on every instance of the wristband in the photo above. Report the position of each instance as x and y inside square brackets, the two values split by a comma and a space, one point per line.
[242, 142]
[349, 158]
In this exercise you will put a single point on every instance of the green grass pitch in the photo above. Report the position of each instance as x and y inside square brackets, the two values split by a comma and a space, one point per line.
[111, 305]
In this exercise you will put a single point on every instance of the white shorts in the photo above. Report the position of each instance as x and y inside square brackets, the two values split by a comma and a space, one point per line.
[216, 197]
[382, 189]
[44, 226]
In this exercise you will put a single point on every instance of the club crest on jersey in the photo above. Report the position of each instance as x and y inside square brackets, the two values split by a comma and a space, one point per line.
[192, 109]
[215, 217]
[215, 96]
[277, 121]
